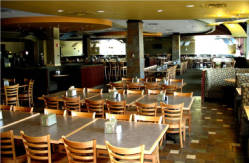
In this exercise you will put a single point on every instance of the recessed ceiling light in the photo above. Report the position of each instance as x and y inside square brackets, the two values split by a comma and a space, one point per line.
[100, 11]
[190, 6]
[160, 10]
[60, 10]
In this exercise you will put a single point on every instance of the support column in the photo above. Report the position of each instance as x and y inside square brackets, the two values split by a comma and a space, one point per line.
[86, 45]
[53, 47]
[176, 48]
[135, 49]
[247, 41]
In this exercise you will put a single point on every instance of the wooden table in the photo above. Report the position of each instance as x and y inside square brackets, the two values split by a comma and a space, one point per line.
[238, 91]
[133, 134]
[62, 94]
[130, 98]
[11, 118]
[247, 111]
[65, 126]
[172, 100]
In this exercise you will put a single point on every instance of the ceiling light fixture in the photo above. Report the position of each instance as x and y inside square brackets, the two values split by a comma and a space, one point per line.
[190, 6]
[100, 11]
[160, 10]
[60, 10]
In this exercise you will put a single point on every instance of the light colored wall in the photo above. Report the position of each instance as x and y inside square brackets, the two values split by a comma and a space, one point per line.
[71, 48]
[14, 47]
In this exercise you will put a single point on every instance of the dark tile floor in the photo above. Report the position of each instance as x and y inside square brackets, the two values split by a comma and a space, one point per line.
[214, 137]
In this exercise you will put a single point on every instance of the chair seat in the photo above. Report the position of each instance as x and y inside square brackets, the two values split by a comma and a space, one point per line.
[19, 159]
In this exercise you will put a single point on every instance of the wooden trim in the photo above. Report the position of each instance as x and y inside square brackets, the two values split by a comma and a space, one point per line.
[21, 120]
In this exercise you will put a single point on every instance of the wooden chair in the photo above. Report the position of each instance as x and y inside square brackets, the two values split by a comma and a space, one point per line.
[138, 92]
[172, 115]
[117, 85]
[158, 80]
[169, 89]
[72, 103]
[8, 151]
[83, 114]
[55, 111]
[80, 90]
[151, 119]
[28, 94]
[135, 86]
[116, 107]
[121, 91]
[51, 102]
[94, 90]
[37, 148]
[172, 81]
[152, 86]
[96, 106]
[122, 117]
[146, 109]
[186, 114]
[6, 107]
[118, 155]
[80, 151]
[155, 91]
[23, 109]
[11, 94]
[126, 79]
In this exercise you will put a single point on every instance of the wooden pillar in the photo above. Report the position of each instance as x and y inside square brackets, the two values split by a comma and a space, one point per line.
[86, 45]
[176, 48]
[135, 49]
[53, 47]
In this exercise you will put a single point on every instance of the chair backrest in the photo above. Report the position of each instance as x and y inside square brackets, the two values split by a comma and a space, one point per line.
[144, 118]
[170, 89]
[80, 90]
[172, 113]
[121, 91]
[83, 114]
[116, 107]
[96, 106]
[155, 91]
[8, 145]
[126, 79]
[135, 86]
[189, 94]
[138, 92]
[118, 155]
[11, 94]
[23, 109]
[176, 80]
[37, 148]
[6, 107]
[30, 91]
[51, 102]
[80, 151]
[159, 79]
[55, 111]
[153, 86]
[146, 109]
[94, 90]
[72, 103]
[117, 85]
[122, 117]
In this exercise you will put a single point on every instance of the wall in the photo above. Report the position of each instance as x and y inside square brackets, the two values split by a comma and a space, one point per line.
[71, 48]
[157, 45]
[14, 47]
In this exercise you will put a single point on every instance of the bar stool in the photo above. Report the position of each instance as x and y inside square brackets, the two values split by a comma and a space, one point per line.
[114, 70]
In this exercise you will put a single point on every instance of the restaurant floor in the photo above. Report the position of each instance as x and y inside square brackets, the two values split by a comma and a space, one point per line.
[214, 136]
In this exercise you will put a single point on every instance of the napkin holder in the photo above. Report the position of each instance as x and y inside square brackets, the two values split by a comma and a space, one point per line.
[110, 126]
[1, 114]
[48, 119]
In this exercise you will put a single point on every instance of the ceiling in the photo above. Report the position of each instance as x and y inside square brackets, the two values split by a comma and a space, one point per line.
[175, 16]
[140, 9]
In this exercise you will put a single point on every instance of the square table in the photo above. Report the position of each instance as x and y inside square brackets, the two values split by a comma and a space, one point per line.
[172, 100]
[11, 117]
[66, 125]
[129, 98]
[133, 134]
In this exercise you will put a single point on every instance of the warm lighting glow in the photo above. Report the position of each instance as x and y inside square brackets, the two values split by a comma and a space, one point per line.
[100, 11]
[190, 6]
[160, 10]
[60, 10]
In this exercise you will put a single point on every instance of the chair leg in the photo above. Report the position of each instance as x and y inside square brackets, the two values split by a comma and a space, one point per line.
[189, 126]
[180, 135]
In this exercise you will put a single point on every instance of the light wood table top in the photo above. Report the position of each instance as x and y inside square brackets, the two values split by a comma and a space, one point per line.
[172, 100]
[130, 98]
[11, 117]
[230, 80]
[65, 126]
[133, 134]
[247, 111]
[238, 91]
